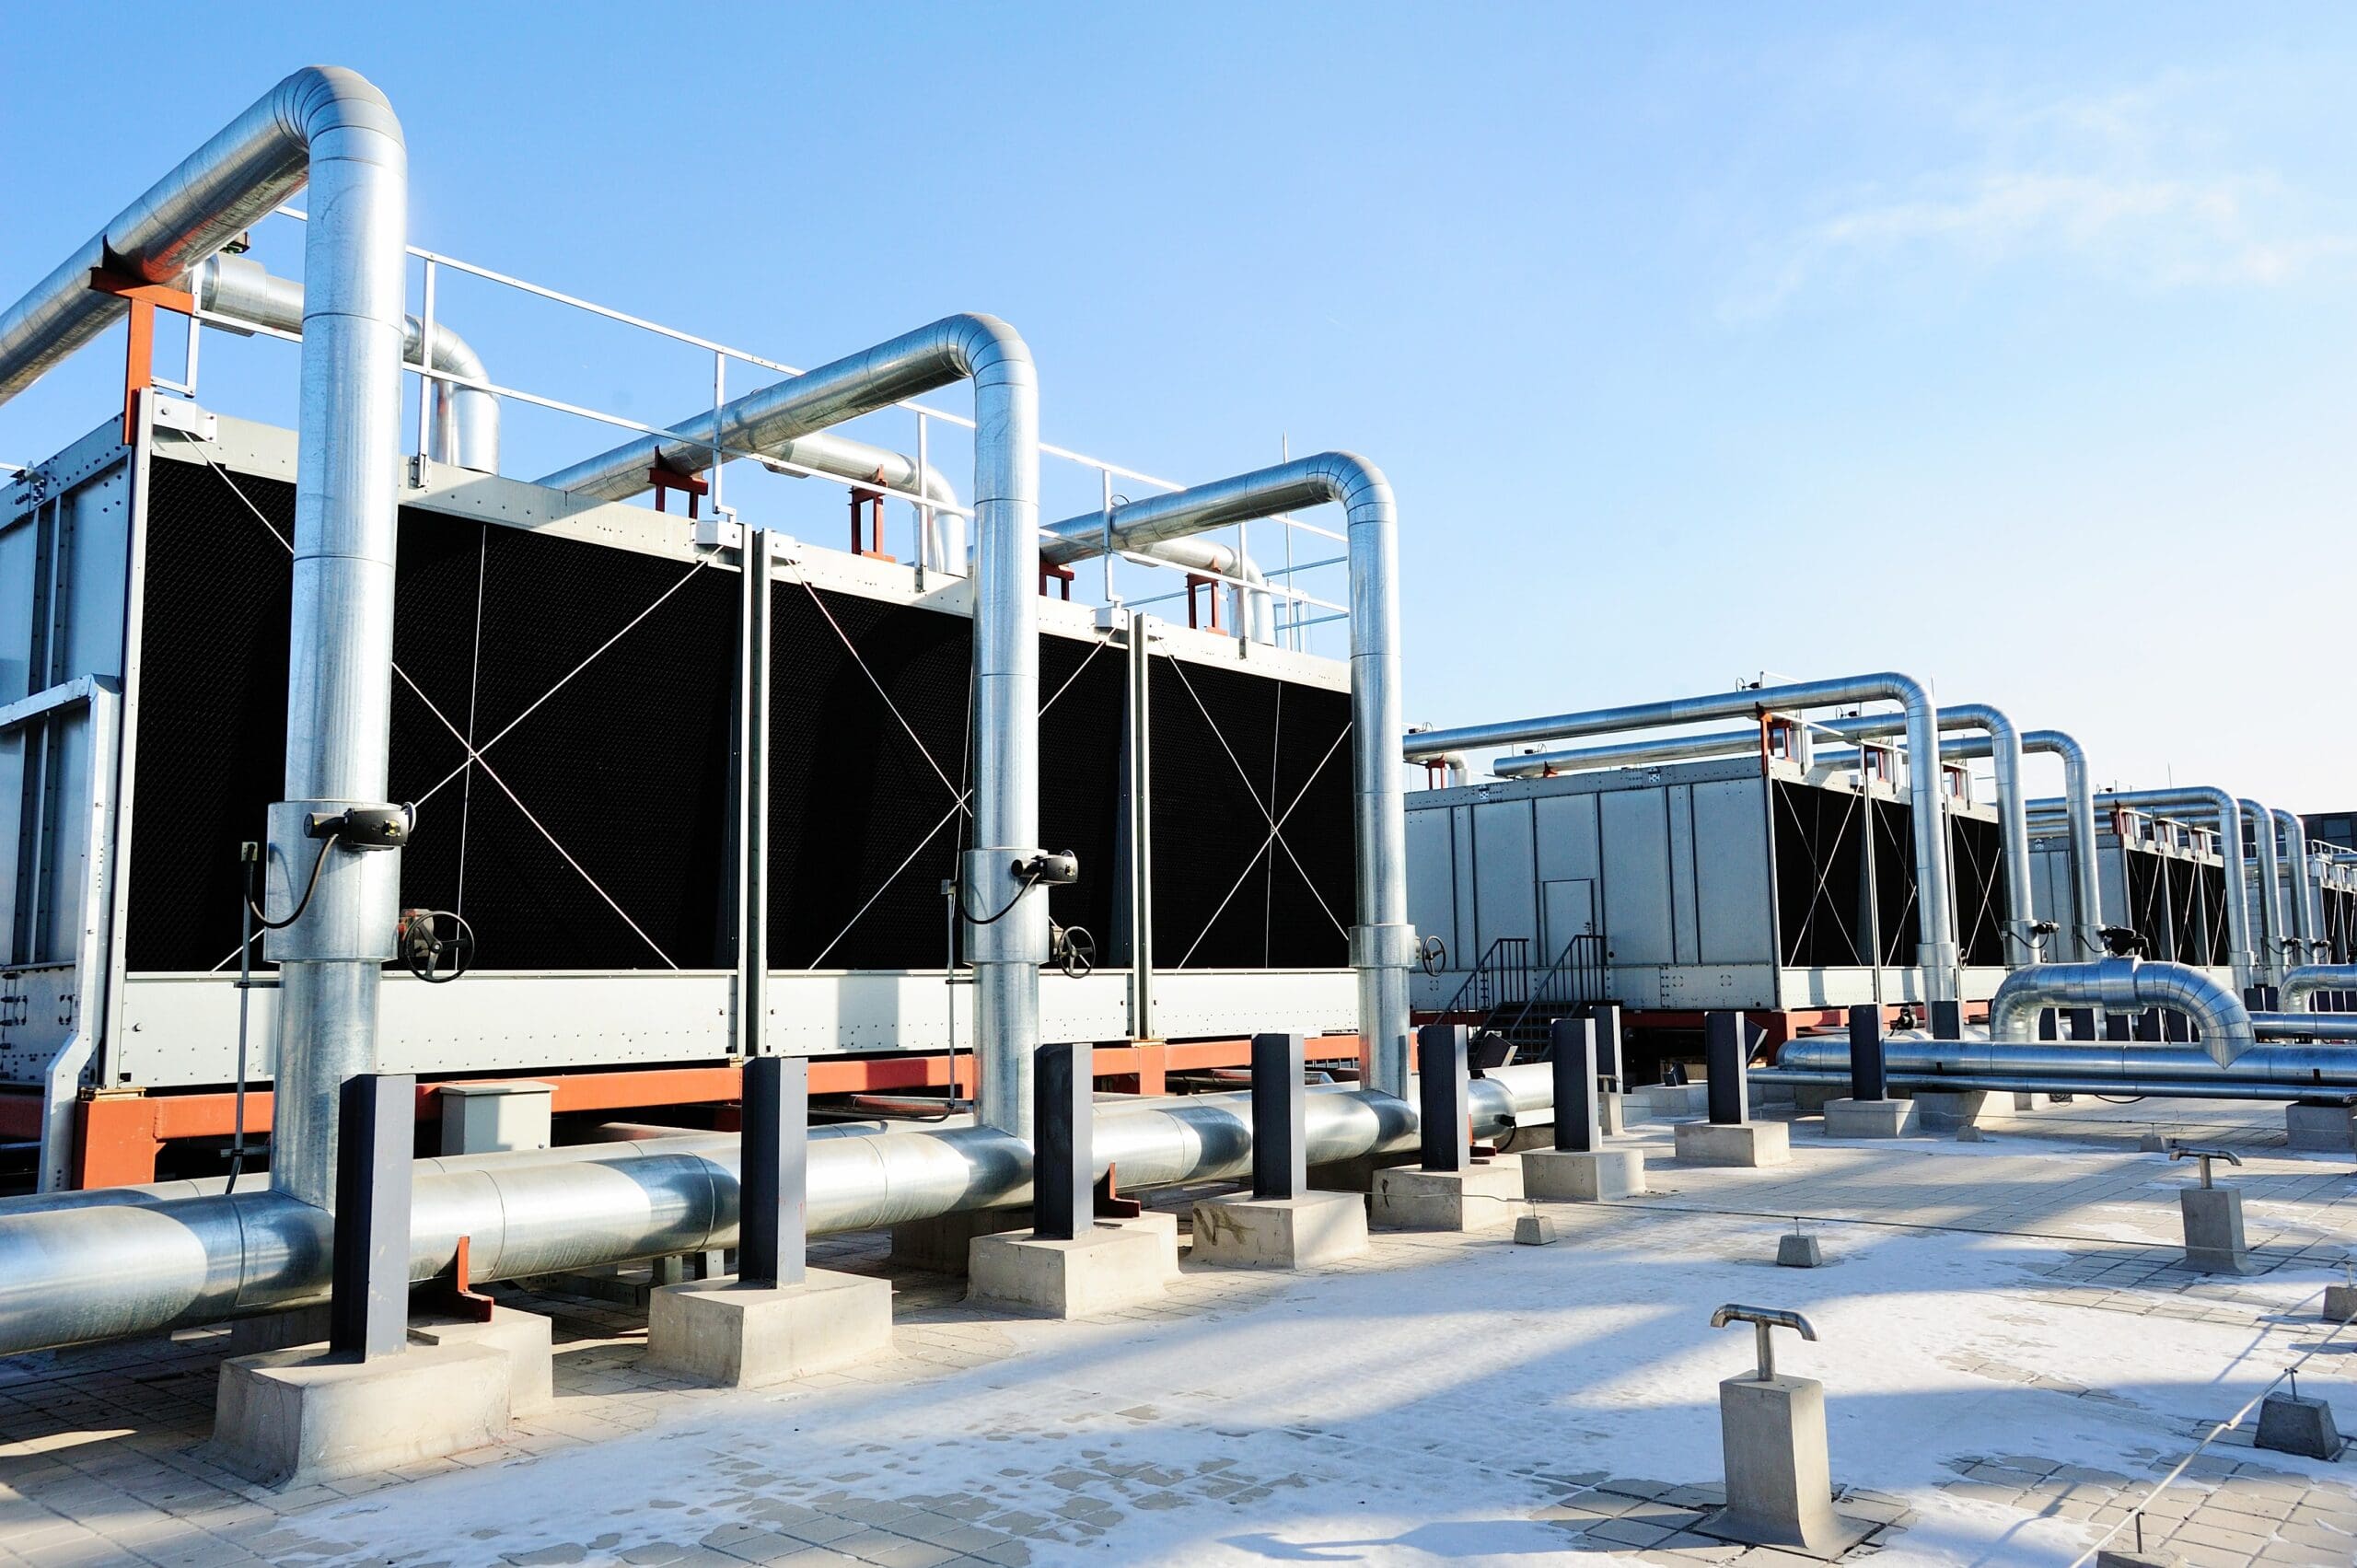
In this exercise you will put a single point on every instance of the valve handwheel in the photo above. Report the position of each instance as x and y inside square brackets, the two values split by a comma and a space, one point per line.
[436, 945]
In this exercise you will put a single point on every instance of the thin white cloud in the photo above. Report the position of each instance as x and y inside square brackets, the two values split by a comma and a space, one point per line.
[2111, 184]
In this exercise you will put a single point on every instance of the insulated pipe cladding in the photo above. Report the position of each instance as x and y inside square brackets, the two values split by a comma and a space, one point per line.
[2121, 985]
[1382, 942]
[97, 1270]
[2226, 812]
[465, 426]
[2302, 892]
[331, 128]
[1005, 910]
[2304, 983]
[1934, 928]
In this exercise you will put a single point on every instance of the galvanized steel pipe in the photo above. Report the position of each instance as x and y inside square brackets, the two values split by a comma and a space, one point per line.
[1006, 925]
[331, 128]
[2295, 835]
[2271, 932]
[2301, 983]
[101, 1270]
[2121, 985]
[2227, 811]
[1382, 942]
[1935, 938]
[465, 426]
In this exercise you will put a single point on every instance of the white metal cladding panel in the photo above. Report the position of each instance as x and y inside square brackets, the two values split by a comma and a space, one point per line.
[181, 1030]
[1633, 825]
[1738, 916]
[1431, 877]
[1508, 884]
[1567, 847]
[1684, 923]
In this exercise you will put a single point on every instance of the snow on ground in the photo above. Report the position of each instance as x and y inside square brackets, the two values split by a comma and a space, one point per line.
[1418, 1408]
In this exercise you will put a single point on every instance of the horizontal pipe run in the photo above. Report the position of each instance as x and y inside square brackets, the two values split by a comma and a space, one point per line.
[1984, 1084]
[2330, 1067]
[74, 1273]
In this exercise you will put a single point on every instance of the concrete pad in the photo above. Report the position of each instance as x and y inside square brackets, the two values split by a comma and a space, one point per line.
[2329, 1128]
[524, 1338]
[1870, 1118]
[1656, 1101]
[2340, 1303]
[1104, 1270]
[1160, 1224]
[1569, 1176]
[1482, 1197]
[2294, 1424]
[943, 1245]
[1743, 1142]
[1534, 1229]
[740, 1336]
[1945, 1111]
[2213, 1229]
[279, 1330]
[297, 1417]
[1280, 1233]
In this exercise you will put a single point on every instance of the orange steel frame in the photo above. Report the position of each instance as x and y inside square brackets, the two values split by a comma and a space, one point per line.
[120, 1134]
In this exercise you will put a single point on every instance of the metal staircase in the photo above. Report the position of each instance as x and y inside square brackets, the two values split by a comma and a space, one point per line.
[1574, 979]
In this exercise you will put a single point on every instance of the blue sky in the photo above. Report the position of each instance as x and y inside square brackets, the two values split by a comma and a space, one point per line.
[2010, 346]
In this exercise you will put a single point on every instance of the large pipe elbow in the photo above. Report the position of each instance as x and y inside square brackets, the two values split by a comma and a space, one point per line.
[2122, 985]
[320, 113]
[2304, 983]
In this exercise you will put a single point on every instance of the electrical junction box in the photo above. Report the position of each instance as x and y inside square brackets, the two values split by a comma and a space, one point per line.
[483, 1119]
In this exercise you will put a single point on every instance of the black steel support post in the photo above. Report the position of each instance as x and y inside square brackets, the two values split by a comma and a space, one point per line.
[1723, 1039]
[773, 1224]
[1443, 1097]
[1572, 1053]
[1063, 1176]
[1868, 1080]
[1608, 1040]
[375, 1143]
[1948, 1020]
[1279, 1117]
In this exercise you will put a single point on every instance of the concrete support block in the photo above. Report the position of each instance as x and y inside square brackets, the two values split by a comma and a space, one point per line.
[2340, 1303]
[1481, 1197]
[297, 1417]
[2293, 1424]
[1103, 1270]
[1943, 1110]
[2214, 1229]
[524, 1338]
[1357, 1174]
[1160, 1224]
[279, 1330]
[2152, 1143]
[2329, 1128]
[1534, 1229]
[1613, 1113]
[1658, 1102]
[740, 1336]
[1871, 1118]
[941, 1246]
[1779, 1486]
[2118, 1557]
[1797, 1251]
[1809, 1098]
[1280, 1233]
[1595, 1176]
[1743, 1143]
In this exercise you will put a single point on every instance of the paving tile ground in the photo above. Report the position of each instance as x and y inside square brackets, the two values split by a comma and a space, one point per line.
[1173, 1432]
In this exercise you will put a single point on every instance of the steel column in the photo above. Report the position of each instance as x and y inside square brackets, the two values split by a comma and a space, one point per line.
[1279, 1117]
[1724, 1051]
[1443, 1096]
[773, 1227]
[1063, 1182]
[368, 1303]
[1572, 1053]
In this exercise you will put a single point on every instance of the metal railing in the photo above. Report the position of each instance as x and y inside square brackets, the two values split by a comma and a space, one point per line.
[1574, 979]
[1297, 612]
[1501, 978]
